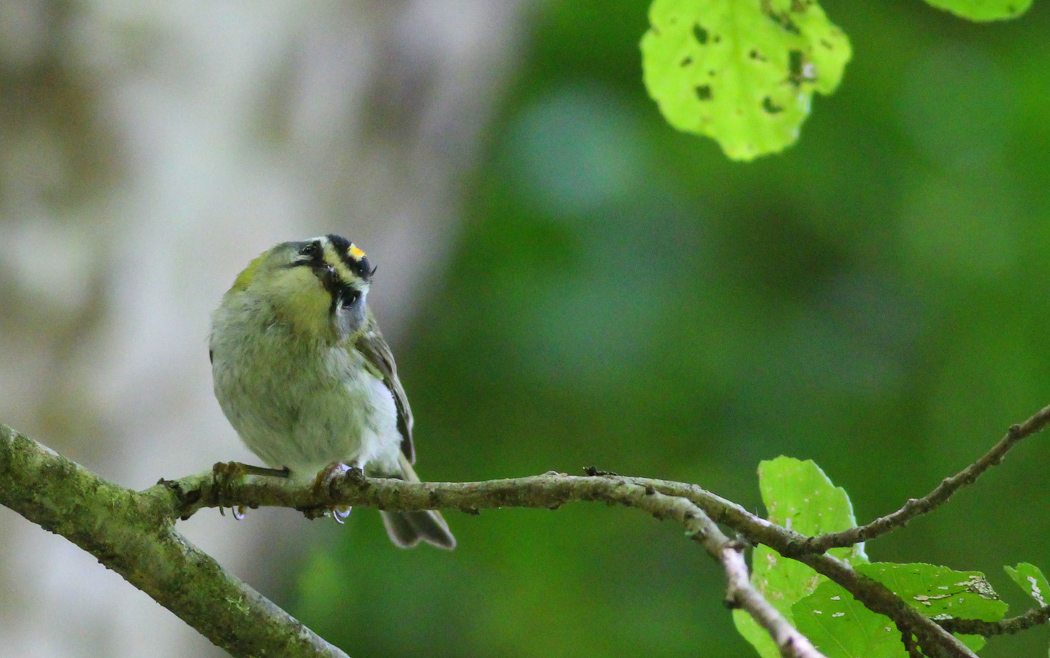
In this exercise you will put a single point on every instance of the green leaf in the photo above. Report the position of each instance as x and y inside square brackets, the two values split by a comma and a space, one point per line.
[1031, 580]
[939, 591]
[983, 10]
[797, 495]
[755, 634]
[841, 627]
[743, 73]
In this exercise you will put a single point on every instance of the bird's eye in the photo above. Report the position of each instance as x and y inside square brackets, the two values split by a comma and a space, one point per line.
[310, 250]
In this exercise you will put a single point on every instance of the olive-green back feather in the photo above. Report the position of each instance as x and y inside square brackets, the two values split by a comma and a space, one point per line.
[244, 279]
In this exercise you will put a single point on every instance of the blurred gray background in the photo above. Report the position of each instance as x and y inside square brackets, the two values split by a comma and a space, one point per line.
[147, 152]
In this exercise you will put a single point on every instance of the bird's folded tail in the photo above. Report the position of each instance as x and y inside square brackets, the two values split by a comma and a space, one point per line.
[406, 529]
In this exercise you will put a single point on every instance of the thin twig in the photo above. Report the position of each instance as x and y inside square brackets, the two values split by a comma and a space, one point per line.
[910, 645]
[931, 501]
[1033, 617]
[740, 593]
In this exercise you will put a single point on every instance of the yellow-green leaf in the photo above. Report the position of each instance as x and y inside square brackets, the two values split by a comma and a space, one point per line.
[798, 495]
[983, 10]
[741, 71]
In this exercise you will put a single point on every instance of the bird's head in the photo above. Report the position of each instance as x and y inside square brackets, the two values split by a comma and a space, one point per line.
[319, 285]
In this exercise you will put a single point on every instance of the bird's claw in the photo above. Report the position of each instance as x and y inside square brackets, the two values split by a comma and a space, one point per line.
[225, 475]
[341, 512]
[323, 486]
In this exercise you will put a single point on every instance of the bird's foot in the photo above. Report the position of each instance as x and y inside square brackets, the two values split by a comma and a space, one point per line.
[323, 486]
[227, 474]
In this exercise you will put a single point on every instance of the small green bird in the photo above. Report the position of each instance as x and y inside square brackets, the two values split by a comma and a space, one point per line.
[304, 376]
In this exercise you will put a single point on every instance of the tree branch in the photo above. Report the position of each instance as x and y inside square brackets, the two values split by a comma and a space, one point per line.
[551, 491]
[132, 534]
[931, 501]
[43, 487]
[934, 640]
[741, 594]
[1033, 617]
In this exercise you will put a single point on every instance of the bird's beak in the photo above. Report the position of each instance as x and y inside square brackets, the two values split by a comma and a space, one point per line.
[329, 278]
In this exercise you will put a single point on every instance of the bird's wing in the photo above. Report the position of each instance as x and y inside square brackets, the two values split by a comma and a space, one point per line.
[375, 350]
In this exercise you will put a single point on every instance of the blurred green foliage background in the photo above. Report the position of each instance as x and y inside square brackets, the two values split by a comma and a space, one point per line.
[603, 291]
[623, 296]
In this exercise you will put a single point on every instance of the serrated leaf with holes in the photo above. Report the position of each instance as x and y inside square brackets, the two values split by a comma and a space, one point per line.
[939, 591]
[798, 495]
[741, 71]
[841, 627]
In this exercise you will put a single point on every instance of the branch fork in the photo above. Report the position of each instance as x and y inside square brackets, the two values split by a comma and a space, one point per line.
[133, 532]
